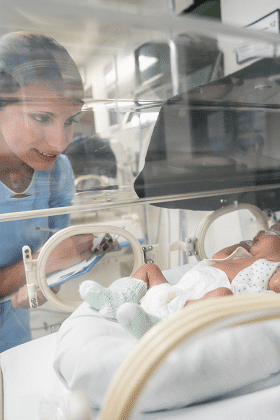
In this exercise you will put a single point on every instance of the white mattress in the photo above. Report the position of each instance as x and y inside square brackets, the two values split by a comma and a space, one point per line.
[29, 379]
[30, 382]
[256, 406]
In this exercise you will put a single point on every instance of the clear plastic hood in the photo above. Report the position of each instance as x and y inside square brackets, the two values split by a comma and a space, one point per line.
[219, 137]
[117, 120]
[215, 136]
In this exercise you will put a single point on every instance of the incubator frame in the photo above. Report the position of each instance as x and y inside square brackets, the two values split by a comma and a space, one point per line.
[35, 269]
[194, 322]
[205, 223]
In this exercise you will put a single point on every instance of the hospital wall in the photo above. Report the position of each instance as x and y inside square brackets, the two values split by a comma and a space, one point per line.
[244, 12]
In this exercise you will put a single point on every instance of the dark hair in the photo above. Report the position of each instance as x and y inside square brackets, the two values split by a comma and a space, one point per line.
[29, 58]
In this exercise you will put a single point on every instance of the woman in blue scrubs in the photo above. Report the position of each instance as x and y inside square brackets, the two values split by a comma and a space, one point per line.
[40, 96]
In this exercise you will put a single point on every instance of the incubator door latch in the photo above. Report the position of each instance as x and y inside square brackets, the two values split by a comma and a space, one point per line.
[149, 248]
[189, 246]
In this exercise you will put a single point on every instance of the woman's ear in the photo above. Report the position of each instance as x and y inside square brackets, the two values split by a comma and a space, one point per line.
[8, 83]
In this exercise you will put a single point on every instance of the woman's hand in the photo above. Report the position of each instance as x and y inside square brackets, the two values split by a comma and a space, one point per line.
[70, 252]
[20, 299]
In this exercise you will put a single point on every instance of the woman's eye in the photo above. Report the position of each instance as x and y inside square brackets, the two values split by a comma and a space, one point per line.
[41, 118]
[70, 121]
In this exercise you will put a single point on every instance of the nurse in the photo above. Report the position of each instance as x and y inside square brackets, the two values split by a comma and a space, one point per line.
[40, 97]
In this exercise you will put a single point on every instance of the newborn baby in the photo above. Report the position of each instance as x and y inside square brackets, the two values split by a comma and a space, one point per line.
[238, 269]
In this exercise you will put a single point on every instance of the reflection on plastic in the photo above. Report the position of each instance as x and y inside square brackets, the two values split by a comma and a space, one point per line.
[106, 244]
[53, 407]
[74, 406]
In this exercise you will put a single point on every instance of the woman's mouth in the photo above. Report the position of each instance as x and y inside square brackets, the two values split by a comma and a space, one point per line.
[47, 155]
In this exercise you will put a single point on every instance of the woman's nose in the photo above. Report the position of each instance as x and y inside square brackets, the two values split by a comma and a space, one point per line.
[58, 139]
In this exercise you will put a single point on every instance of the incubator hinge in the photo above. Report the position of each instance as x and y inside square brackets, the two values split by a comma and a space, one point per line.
[149, 248]
[31, 279]
[189, 246]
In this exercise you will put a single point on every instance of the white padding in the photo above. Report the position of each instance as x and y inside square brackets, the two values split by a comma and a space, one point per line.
[91, 348]
[29, 378]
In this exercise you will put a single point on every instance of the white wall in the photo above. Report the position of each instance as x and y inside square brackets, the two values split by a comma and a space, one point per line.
[244, 12]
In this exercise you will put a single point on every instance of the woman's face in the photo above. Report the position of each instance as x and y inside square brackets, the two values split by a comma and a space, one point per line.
[38, 129]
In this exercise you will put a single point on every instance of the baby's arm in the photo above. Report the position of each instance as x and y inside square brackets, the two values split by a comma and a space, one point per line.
[274, 282]
[225, 252]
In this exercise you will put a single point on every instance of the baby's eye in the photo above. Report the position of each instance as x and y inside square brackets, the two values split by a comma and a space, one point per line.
[42, 118]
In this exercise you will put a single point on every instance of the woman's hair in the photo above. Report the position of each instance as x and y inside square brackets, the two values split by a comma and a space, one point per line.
[32, 58]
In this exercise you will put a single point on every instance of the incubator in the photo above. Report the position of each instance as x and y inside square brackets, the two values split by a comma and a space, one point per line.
[174, 155]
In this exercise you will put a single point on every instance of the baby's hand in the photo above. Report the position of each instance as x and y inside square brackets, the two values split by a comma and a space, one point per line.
[275, 227]
[226, 252]
[245, 245]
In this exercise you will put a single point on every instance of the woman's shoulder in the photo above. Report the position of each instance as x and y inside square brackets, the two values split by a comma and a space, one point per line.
[61, 163]
[61, 168]
[61, 175]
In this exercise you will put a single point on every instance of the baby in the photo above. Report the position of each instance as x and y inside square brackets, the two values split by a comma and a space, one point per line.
[238, 269]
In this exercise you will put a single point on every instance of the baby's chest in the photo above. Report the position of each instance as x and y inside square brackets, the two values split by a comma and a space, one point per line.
[234, 267]
[259, 273]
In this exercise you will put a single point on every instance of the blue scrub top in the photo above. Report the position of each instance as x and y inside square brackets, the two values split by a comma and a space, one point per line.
[48, 189]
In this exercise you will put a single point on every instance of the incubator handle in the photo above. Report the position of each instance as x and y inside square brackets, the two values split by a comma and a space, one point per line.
[30, 273]
[69, 305]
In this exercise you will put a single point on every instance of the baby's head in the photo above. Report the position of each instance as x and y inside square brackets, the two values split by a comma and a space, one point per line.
[266, 244]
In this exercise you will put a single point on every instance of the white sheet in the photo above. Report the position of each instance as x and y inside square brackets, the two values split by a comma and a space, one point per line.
[29, 378]
[42, 382]
[261, 405]
[91, 348]
[24, 395]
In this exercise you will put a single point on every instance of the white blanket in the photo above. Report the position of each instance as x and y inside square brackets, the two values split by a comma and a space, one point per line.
[91, 348]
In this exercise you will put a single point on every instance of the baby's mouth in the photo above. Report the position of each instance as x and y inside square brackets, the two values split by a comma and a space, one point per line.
[256, 238]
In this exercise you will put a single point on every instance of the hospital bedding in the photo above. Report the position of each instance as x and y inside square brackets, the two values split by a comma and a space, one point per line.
[239, 368]
[29, 377]
[27, 387]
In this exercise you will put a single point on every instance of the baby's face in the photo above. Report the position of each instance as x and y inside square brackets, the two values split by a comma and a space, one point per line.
[266, 245]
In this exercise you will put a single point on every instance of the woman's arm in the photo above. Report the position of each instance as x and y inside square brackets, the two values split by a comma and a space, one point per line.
[11, 278]
[69, 252]
[225, 252]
